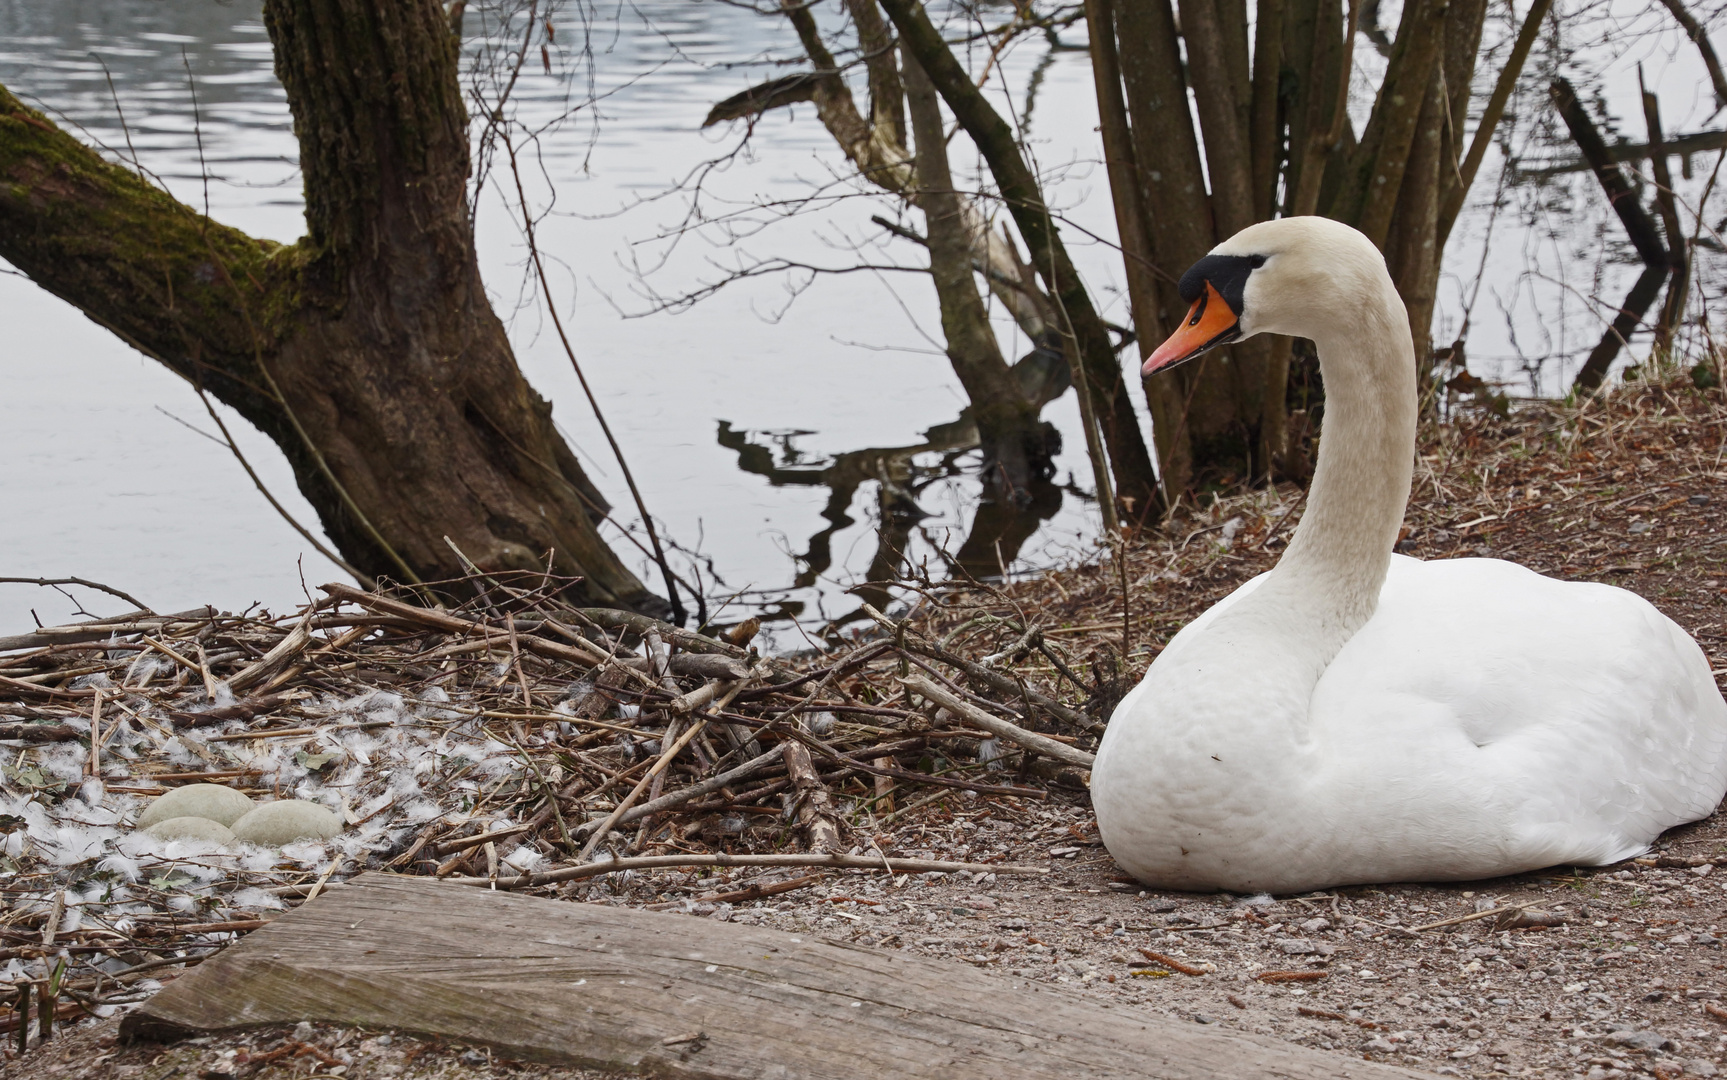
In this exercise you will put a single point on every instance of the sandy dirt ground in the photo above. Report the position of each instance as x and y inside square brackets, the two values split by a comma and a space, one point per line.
[1629, 985]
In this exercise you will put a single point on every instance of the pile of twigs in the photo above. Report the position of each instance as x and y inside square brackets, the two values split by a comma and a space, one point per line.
[511, 741]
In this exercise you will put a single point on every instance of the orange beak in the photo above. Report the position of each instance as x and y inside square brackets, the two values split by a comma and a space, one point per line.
[1209, 323]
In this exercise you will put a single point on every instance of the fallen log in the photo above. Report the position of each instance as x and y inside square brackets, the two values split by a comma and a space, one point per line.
[668, 995]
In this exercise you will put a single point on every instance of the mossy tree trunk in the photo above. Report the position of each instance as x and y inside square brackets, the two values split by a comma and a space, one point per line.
[368, 351]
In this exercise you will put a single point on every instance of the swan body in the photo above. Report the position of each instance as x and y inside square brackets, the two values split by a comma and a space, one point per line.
[1353, 717]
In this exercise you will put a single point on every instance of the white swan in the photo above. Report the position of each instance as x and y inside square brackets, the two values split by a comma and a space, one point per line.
[1353, 716]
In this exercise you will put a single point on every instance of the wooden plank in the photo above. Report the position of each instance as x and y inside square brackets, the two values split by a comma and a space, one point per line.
[674, 996]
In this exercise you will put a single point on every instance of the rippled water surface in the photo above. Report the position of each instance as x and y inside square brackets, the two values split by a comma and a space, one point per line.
[727, 408]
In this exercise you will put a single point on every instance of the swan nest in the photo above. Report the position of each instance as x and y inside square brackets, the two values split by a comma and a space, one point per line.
[417, 737]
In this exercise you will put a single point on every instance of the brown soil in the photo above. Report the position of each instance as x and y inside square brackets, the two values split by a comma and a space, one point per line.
[1628, 983]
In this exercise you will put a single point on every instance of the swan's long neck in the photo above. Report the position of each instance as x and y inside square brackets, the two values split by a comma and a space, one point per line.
[1337, 559]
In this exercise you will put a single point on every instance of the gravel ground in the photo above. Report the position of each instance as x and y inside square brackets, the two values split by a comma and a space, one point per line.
[1624, 987]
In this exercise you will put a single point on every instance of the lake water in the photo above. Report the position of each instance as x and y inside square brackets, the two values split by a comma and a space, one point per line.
[110, 474]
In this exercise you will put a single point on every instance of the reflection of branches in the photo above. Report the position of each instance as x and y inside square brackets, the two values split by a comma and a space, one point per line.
[894, 468]
[901, 474]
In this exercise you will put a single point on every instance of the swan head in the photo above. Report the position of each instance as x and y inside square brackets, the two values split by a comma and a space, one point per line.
[1289, 276]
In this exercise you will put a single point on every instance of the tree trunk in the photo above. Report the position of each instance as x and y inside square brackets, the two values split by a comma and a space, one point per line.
[1230, 420]
[368, 351]
[1284, 129]
[1007, 424]
[1096, 369]
[1168, 431]
[1456, 183]
[886, 93]
[878, 148]
[1411, 247]
[1369, 196]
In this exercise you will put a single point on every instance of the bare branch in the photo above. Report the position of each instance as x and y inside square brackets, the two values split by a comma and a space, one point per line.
[1694, 31]
[774, 94]
[97, 585]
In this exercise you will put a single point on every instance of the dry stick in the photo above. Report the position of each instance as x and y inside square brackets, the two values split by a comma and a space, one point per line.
[39, 732]
[204, 670]
[1695, 32]
[1308, 1010]
[95, 766]
[731, 692]
[450, 847]
[97, 585]
[1639, 227]
[1490, 913]
[1002, 683]
[516, 662]
[550, 792]
[697, 790]
[1271, 532]
[659, 666]
[277, 658]
[258, 483]
[585, 653]
[837, 862]
[641, 786]
[617, 451]
[48, 1003]
[922, 778]
[1011, 732]
[1678, 251]
[695, 699]
[636, 623]
[172, 655]
[23, 1008]
[753, 891]
[1171, 963]
[816, 814]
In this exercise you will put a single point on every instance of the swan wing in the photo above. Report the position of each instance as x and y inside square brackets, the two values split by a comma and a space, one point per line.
[1577, 716]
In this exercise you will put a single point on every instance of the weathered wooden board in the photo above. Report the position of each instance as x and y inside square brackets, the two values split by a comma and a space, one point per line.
[669, 995]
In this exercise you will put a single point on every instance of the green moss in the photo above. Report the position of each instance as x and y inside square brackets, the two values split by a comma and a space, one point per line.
[130, 255]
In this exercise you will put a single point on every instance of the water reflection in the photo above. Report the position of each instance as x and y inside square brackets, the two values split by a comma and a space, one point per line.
[901, 474]
[1534, 261]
